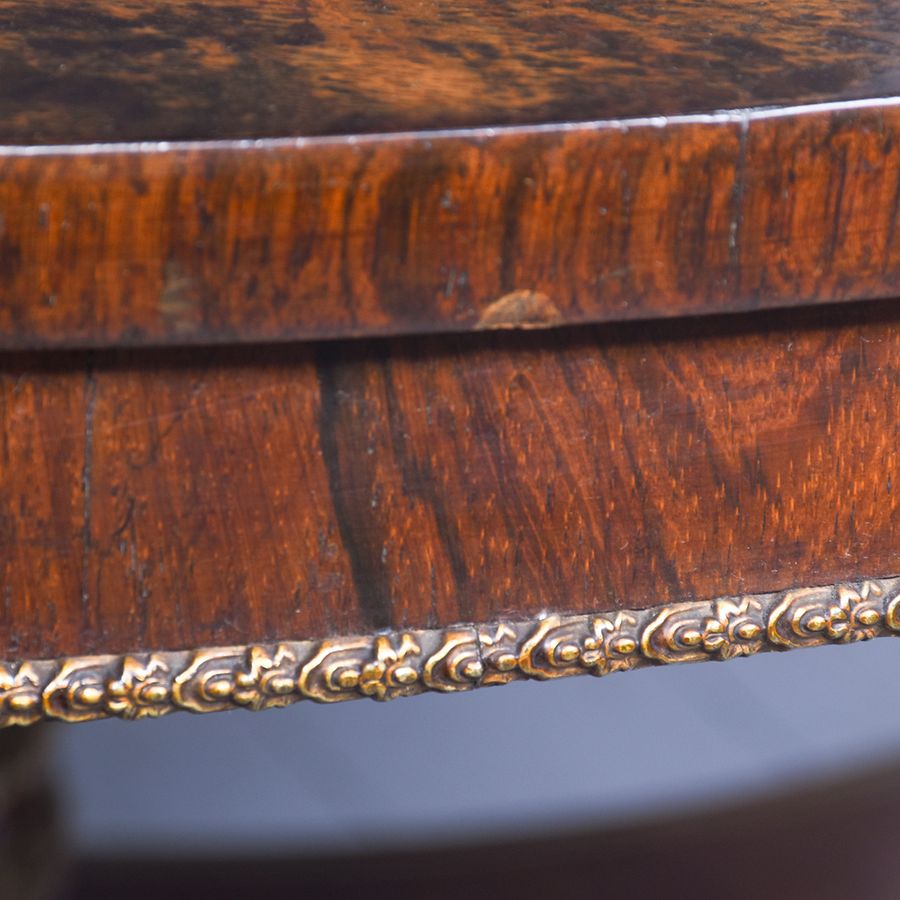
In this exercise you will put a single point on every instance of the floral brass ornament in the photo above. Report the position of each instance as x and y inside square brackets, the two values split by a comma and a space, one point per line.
[383, 669]
[865, 606]
[846, 612]
[20, 694]
[693, 631]
[499, 652]
[384, 666]
[79, 692]
[613, 645]
[555, 647]
[207, 684]
[561, 646]
[456, 663]
[268, 679]
[892, 612]
[252, 677]
[142, 689]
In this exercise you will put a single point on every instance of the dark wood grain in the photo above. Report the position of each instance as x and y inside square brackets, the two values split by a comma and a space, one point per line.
[416, 234]
[44, 510]
[222, 239]
[127, 70]
[178, 499]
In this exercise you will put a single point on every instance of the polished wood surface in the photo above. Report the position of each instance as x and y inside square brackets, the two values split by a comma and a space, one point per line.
[200, 204]
[423, 234]
[149, 70]
[549, 203]
[176, 500]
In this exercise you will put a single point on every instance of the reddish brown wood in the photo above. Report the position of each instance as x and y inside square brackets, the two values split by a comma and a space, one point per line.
[42, 506]
[423, 233]
[314, 171]
[125, 70]
[180, 499]
[371, 231]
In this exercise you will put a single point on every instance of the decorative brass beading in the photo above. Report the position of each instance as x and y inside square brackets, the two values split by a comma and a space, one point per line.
[453, 659]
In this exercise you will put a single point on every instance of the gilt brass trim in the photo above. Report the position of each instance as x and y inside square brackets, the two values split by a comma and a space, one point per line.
[385, 666]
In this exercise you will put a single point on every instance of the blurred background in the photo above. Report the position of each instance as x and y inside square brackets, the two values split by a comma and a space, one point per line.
[790, 761]
[516, 760]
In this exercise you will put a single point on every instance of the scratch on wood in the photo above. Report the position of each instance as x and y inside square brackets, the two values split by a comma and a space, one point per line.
[86, 472]
[520, 309]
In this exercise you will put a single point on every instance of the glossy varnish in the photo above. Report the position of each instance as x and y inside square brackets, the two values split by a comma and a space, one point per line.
[276, 178]
[412, 234]
[171, 500]
[355, 168]
[145, 70]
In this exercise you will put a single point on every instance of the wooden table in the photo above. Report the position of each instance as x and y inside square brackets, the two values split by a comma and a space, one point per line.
[358, 349]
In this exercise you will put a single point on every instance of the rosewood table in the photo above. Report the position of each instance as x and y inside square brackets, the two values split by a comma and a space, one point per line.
[360, 348]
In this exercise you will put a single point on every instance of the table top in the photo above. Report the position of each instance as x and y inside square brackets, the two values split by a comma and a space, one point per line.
[177, 173]
[121, 70]
[336, 518]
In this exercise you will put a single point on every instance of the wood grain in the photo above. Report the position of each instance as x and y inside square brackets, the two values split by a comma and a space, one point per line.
[430, 170]
[415, 234]
[135, 70]
[177, 499]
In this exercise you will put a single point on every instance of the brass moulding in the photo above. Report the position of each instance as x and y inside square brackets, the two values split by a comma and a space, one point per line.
[384, 666]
